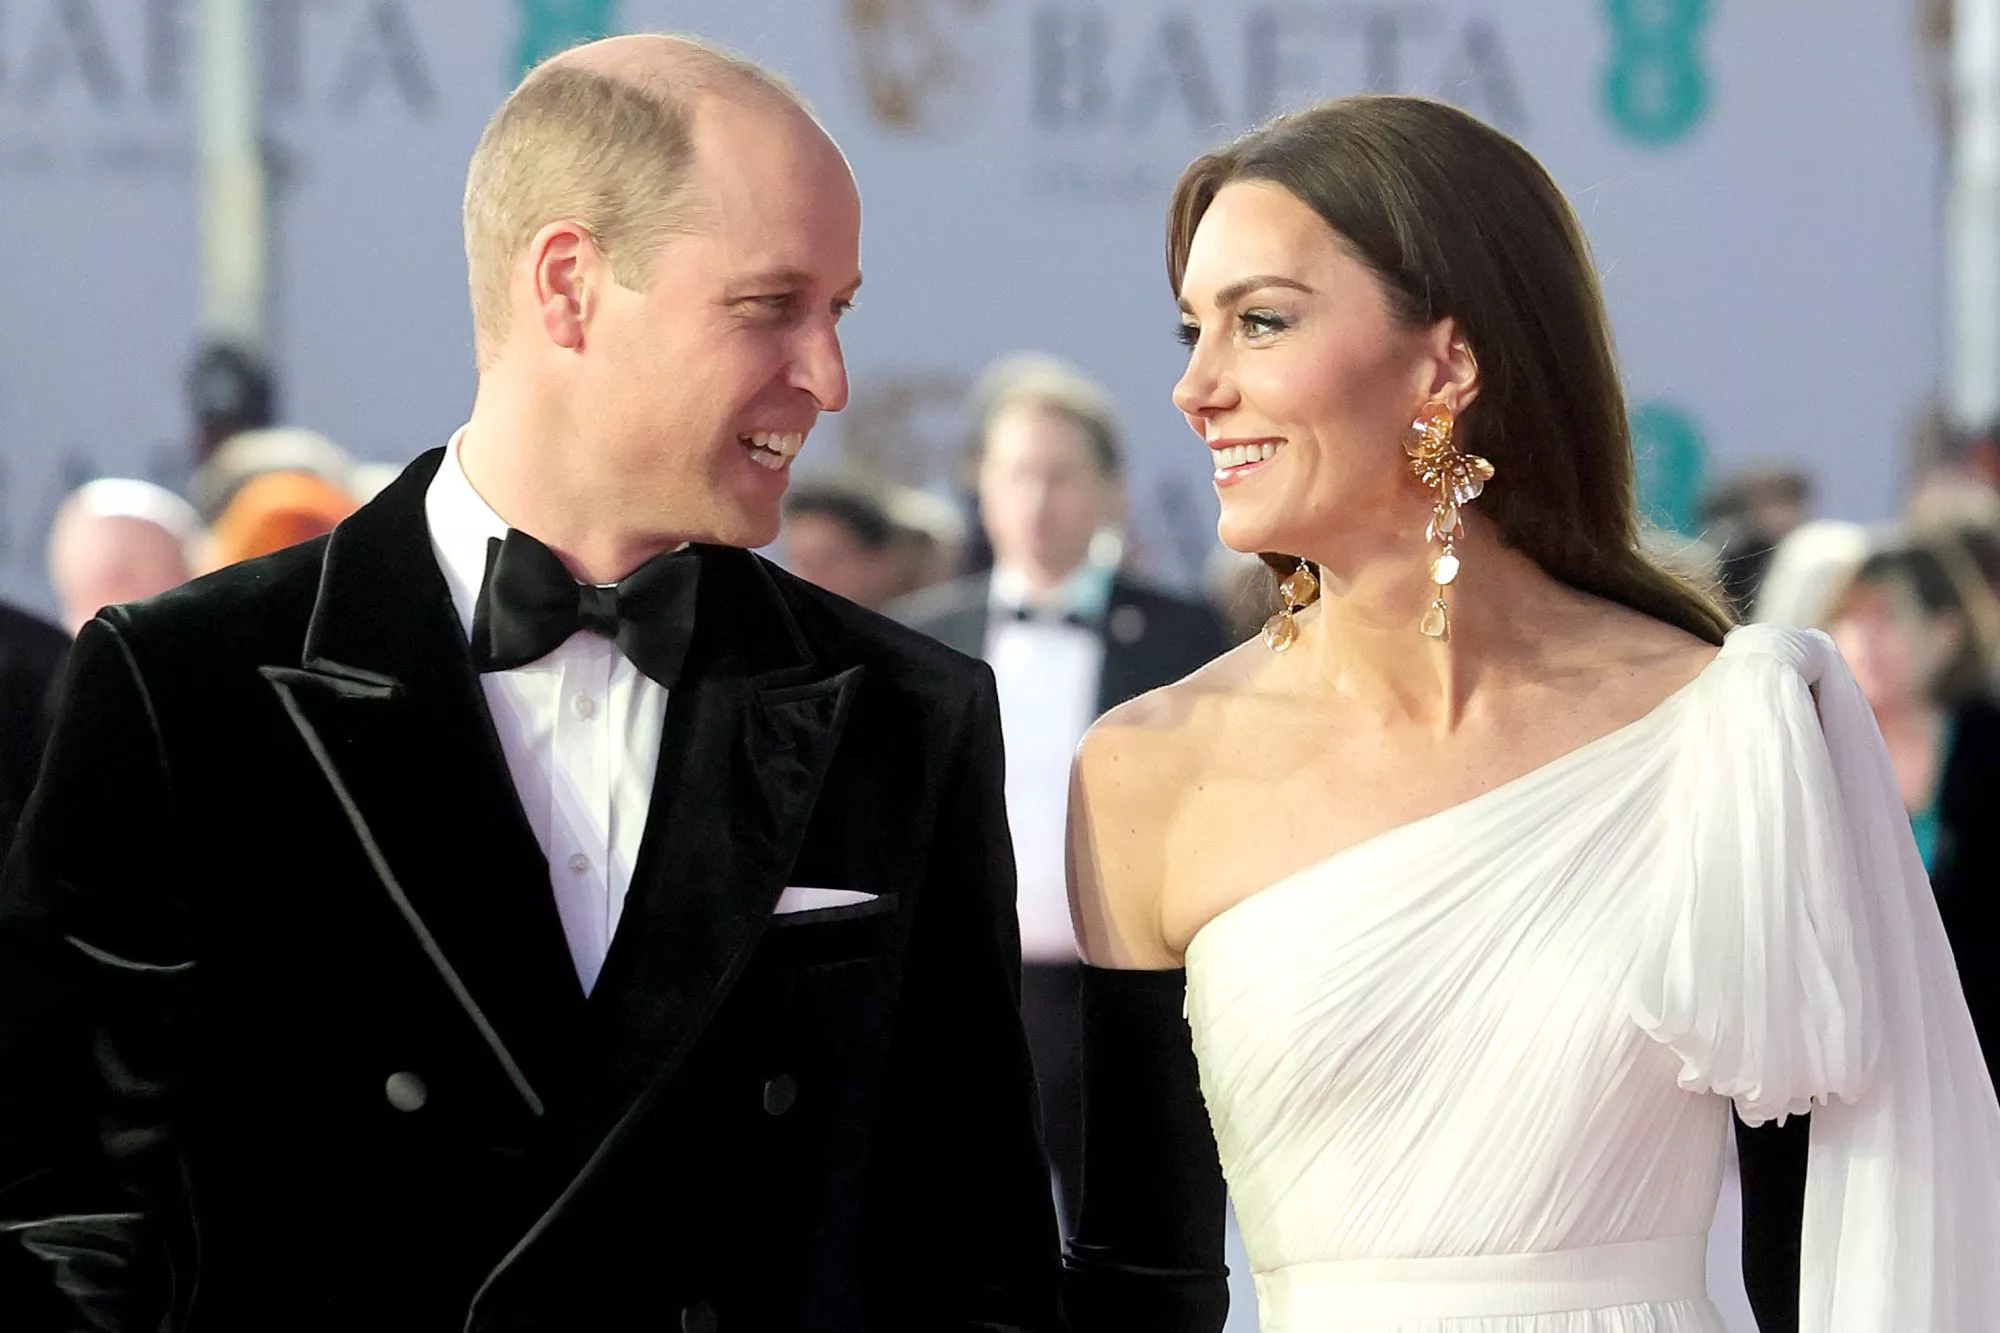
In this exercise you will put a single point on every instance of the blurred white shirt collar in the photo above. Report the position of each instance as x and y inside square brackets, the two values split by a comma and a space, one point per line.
[1085, 594]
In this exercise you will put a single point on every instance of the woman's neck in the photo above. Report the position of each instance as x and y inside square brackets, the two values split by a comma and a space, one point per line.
[1363, 640]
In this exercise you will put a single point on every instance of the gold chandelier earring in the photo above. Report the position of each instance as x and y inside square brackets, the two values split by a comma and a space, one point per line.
[1454, 479]
[1297, 590]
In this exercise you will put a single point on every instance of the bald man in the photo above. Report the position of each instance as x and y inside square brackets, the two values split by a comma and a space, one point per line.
[118, 539]
[526, 909]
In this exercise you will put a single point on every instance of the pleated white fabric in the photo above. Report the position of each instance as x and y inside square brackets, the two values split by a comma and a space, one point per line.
[1495, 1048]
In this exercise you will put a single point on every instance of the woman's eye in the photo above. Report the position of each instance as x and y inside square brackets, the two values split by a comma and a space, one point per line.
[1188, 334]
[1258, 323]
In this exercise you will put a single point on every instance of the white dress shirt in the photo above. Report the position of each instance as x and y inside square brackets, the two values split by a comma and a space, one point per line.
[1048, 670]
[580, 729]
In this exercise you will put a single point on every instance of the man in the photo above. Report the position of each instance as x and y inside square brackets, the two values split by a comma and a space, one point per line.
[271, 511]
[32, 652]
[1745, 517]
[1068, 637]
[118, 539]
[870, 544]
[839, 536]
[248, 455]
[503, 914]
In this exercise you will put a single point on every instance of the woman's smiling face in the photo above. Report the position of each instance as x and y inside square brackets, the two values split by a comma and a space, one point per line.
[1302, 378]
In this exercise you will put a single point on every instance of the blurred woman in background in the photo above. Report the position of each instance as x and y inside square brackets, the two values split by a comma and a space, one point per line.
[1918, 625]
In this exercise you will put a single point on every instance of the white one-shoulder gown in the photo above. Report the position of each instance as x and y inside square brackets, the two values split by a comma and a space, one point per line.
[1474, 1075]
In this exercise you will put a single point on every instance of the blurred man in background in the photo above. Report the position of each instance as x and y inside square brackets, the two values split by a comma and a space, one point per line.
[272, 511]
[230, 391]
[32, 654]
[839, 536]
[1744, 517]
[250, 454]
[118, 540]
[1068, 636]
[871, 544]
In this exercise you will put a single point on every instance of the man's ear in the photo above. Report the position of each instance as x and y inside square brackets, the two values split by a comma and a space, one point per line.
[566, 273]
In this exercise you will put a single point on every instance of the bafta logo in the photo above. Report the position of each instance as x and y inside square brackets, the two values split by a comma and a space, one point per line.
[548, 27]
[913, 60]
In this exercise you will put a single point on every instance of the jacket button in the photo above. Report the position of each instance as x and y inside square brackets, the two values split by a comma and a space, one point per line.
[405, 1091]
[781, 1094]
[698, 1318]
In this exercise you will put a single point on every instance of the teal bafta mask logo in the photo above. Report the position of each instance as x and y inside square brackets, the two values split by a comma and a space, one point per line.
[1655, 87]
[1671, 459]
[544, 27]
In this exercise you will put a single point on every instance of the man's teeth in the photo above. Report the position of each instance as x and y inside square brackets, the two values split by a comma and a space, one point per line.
[1236, 455]
[775, 449]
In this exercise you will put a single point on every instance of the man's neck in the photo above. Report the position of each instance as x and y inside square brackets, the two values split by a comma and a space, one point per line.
[1033, 580]
[1078, 589]
[513, 456]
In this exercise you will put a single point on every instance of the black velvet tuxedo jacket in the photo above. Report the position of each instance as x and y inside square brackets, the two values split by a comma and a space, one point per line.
[1151, 638]
[290, 1038]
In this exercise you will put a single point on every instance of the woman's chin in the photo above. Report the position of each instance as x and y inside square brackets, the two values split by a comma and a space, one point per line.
[1250, 538]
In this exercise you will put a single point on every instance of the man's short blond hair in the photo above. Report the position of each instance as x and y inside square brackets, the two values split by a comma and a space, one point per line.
[609, 151]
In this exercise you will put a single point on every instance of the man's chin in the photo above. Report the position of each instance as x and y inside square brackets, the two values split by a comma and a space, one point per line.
[748, 529]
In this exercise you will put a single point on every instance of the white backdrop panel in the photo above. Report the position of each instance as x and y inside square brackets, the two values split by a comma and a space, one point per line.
[1764, 209]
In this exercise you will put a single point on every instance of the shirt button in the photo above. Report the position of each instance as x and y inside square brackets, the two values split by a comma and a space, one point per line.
[586, 707]
[579, 863]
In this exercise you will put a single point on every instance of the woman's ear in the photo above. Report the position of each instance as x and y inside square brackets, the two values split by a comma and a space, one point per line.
[1454, 366]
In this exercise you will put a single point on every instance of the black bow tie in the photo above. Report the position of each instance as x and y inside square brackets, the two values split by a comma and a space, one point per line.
[1048, 616]
[529, 605]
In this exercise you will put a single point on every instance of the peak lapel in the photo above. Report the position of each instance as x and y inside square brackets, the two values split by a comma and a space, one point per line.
[387, 703]
[750, 731]
[751, 727]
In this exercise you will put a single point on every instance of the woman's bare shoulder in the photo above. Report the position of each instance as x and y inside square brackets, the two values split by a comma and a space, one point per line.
[1165, 729]
[1631, 654]
[1131, 771]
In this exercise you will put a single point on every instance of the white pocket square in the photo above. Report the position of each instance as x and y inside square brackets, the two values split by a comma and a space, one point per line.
[801, 899]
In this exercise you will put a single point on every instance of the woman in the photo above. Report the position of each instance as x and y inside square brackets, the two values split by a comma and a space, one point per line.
[1916, 624]
[1494, 880]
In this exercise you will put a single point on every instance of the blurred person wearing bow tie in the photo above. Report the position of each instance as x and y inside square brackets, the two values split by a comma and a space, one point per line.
[1068, 635]
[526, 908]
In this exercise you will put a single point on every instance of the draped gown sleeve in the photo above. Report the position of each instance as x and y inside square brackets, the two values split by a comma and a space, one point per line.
[1796, 962]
